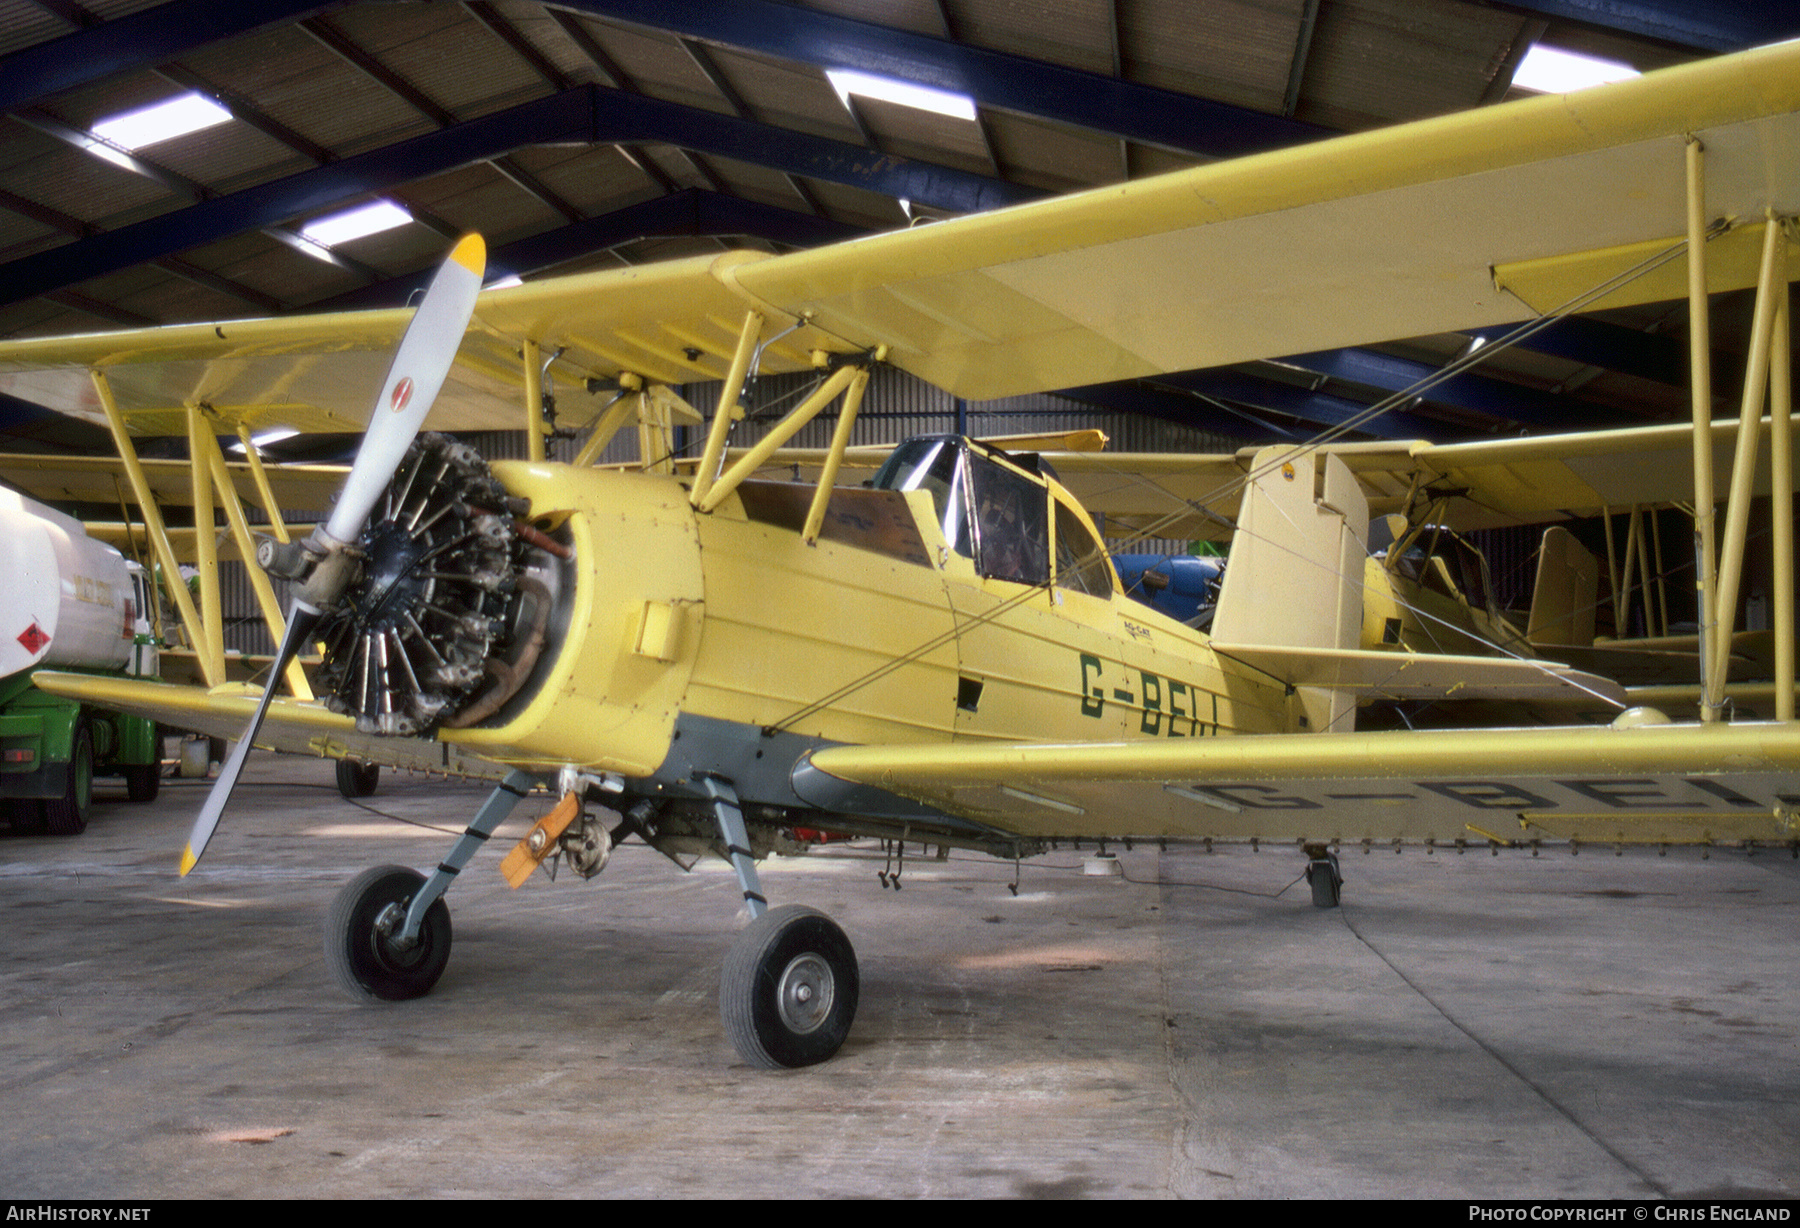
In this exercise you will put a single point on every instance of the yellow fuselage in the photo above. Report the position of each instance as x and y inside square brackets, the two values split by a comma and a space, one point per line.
[893, 640]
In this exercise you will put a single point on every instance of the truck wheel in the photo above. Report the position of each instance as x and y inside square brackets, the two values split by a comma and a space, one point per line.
[143, 780]
[26, 815]
[142, 783]
[68, 815]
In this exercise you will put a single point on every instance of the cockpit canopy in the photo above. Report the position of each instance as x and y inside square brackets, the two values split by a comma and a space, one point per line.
[997, 509]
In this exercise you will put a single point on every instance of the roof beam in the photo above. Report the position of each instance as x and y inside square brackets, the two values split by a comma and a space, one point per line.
[692, 211]
[140, 40]
[1207, 398]
[588, 114]
[1474, 393]
[333, 40]
[1628, 351]
[997, 79]
[1718, 25]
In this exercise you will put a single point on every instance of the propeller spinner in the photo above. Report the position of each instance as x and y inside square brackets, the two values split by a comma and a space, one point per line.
[323, 561]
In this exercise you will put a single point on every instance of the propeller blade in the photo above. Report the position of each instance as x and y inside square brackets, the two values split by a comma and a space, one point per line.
[414, 378]
[300, 624]
[417, 373]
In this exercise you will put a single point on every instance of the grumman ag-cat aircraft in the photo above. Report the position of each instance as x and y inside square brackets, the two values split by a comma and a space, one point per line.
[942, 654]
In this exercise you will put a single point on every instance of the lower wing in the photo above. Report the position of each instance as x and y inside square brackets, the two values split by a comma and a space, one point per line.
[1653, 784]
[291, 726]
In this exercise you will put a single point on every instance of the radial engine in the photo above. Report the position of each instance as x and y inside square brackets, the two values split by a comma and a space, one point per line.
[446, 617]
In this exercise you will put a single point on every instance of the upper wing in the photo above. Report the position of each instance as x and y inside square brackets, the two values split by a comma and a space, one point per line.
[321, 373]
[1476, 218]
[1465, 220]
[1653, 784]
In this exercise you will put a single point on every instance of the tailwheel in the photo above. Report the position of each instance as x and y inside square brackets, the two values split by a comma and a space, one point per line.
[356, 780]
[359, 947]
[1326, 879]
[788, 991]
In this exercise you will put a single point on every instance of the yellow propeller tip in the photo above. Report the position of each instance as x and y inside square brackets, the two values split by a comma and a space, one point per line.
[188, 860]
[471, 253]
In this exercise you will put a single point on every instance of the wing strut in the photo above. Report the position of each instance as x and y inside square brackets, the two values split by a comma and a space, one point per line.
[153, 521]
[1700, 376]
[1768, 358]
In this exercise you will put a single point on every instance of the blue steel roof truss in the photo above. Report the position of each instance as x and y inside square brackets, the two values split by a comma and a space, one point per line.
[996, 79]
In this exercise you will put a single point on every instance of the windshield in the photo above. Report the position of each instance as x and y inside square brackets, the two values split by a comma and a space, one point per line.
[934, 465]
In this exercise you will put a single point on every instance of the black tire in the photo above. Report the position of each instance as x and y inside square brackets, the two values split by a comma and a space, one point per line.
[26, 815]
[68, 815]
[363, 960]
[143, 782]
[788, 991]
[356, 780]
[1327, 883]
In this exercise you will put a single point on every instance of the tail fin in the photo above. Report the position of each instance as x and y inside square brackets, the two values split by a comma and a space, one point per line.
[1565, 593]
[1295, 575]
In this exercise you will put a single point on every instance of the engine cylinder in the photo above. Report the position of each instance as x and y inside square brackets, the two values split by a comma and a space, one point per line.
[435, 594]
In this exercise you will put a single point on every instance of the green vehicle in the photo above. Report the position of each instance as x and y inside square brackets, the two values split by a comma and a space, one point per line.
[72, 603]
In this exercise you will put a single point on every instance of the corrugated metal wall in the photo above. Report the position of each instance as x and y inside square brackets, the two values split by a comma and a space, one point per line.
[897, 406]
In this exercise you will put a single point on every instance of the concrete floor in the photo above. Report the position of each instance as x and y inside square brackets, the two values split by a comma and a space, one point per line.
[1467, 1026]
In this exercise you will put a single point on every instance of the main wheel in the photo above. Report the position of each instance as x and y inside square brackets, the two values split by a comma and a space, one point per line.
[366, 962]
[788, 990]
[68, 815]
[356, 780]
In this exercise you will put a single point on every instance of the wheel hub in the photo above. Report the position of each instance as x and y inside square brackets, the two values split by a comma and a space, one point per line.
[805, 993]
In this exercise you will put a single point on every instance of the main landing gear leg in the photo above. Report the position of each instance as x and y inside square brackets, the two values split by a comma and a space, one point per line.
[388, 933]
[788, 990]
[1323, 873]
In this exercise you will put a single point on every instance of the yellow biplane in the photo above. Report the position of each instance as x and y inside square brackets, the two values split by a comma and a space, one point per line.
[941, 653]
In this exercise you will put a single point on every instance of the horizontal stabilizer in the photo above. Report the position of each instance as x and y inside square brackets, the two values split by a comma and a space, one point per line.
[1405, 675]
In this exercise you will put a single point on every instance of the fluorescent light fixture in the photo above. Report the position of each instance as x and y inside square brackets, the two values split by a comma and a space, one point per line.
[165, 121]
[263, 439]
[848, 81]
[505, 283]
[355, 223]
[1550, 70]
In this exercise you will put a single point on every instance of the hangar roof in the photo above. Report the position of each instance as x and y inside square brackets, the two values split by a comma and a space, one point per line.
[594, 133]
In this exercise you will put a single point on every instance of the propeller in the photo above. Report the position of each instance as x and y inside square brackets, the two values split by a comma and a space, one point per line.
[324, 561]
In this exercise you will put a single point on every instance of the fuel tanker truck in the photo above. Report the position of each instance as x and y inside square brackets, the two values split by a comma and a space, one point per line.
[72, 603]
